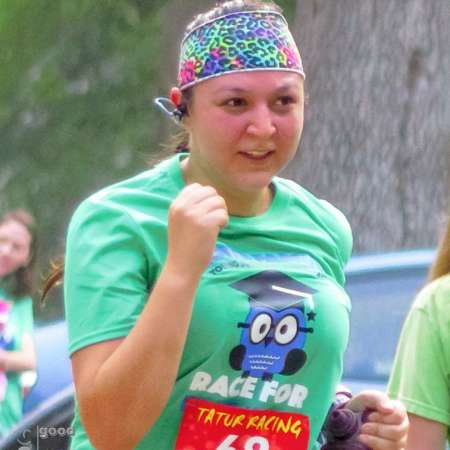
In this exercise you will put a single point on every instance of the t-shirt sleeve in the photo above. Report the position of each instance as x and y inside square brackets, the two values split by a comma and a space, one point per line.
[105, 280]
[339, 229]
[420, 374]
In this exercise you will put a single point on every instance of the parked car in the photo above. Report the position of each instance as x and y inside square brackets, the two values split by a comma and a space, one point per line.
[53, 371]
[381, 286]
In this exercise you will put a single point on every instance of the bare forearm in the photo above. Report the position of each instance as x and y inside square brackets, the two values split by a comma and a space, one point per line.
[425, 433]
[137, 379]
[18, 361]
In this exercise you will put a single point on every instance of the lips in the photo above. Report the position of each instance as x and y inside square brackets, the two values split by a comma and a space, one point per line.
[257, 155]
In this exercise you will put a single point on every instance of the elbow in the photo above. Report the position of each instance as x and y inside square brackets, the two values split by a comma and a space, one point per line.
[109, 425]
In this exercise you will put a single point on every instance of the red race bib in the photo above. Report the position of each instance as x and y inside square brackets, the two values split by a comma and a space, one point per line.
[212, 426]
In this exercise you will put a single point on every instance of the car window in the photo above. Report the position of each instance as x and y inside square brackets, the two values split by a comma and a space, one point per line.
[380, 302]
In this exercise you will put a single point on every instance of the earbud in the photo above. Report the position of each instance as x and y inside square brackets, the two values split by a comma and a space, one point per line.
[180, 109]
[175, 96]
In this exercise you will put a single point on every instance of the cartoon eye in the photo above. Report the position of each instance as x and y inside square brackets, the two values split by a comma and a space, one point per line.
[286, 330]
[260, 327]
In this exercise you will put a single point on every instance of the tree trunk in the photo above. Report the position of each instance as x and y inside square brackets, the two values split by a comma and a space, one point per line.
[377, 131]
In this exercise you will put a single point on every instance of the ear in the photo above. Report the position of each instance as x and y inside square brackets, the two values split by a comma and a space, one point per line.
[175, 96]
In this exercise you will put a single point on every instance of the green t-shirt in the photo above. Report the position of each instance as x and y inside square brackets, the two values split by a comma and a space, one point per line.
[421, 374]
[270, 321]
[19, 322]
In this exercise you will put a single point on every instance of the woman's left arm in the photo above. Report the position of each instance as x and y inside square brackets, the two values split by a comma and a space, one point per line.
[387, 426]
[19, 360]
[425, 433]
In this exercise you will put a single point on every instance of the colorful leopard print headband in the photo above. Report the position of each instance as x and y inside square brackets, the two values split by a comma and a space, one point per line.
[238, 42]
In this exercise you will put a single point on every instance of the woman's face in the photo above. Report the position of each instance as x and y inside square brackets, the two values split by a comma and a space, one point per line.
[244, 128]
[15, 241]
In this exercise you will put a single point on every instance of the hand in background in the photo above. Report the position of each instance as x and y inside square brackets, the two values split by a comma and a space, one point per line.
[387, 426]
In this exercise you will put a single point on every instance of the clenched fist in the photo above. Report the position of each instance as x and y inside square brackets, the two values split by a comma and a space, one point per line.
[196, 217]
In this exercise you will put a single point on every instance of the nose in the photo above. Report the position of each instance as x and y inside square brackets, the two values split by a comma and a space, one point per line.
[261, 123]
[268, 340]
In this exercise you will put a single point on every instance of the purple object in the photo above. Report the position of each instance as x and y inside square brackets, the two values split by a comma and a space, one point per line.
[342, 429]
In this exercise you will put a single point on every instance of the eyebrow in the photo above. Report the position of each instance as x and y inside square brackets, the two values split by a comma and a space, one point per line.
[238, 90]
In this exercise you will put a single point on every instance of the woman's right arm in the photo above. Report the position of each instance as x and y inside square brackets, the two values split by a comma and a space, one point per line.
[123, 385]
[424, 433]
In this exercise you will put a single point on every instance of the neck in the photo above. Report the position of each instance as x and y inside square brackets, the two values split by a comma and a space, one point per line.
[245, 204]
[239, 203]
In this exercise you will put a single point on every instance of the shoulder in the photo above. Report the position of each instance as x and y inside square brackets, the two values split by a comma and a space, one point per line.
[324, 214]
[321, 208]
[429, 317]
[434, 300]
[23, 304]
[124, 203]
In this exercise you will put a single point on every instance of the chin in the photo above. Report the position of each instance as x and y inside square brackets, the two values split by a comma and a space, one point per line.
[252, 183]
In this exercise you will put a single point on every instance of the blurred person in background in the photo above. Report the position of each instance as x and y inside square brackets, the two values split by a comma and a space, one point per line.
[208, 284]
[420, 377]
[17, 353]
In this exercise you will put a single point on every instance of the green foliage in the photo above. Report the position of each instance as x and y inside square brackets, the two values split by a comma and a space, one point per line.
[289, 9]
[76, 88]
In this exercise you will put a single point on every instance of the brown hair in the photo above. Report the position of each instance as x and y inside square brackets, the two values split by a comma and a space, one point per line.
[55, 277]
[231, 6]
[22, 278]
[441, 265]
[180, 141]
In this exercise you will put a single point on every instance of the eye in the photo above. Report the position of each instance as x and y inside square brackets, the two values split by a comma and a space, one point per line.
[286, 330]
[286, 100]
[260, 327]
[235, 102]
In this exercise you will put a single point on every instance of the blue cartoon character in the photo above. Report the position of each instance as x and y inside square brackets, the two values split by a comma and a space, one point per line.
[275, 330]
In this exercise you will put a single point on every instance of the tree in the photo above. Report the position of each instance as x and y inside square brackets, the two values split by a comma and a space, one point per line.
[76, 109]
[377, 136]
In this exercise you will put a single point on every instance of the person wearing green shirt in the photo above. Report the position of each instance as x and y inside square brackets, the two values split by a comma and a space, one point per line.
[420, 377]
[17, 352]
[205, 297]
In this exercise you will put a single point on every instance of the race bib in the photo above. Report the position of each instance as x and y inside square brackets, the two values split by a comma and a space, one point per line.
[213, 426]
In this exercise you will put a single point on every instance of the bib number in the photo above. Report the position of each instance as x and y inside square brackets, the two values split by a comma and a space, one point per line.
[262, 443]
[215, 426]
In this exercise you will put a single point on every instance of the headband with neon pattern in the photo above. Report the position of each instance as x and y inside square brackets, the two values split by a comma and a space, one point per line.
[238, 42]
